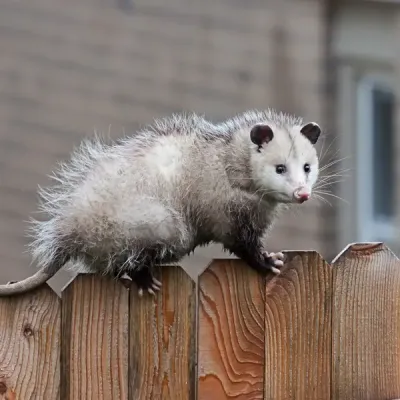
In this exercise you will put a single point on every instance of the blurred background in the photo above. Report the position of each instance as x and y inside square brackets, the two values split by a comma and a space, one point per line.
[68, 69]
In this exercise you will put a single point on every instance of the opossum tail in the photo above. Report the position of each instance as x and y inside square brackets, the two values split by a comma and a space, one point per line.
[50, 250]
[28, 284]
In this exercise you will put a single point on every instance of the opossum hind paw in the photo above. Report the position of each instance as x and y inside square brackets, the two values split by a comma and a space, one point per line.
[145, 281]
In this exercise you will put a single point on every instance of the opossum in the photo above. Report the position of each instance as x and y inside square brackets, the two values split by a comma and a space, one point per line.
[181, 182]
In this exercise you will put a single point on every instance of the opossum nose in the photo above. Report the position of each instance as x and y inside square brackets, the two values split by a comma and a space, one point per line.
[301, 195]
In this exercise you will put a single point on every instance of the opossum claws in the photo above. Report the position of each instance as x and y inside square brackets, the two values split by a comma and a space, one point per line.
[156, 282]
[145, 281]
[274, 261]
[156, 286]
[151, 290]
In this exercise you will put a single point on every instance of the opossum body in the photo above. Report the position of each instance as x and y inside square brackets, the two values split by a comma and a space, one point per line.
[152, 198]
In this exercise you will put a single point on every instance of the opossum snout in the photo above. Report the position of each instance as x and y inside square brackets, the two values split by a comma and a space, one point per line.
[301, 195]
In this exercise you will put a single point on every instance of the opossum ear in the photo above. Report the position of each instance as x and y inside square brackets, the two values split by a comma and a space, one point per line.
[311, 131]
[261, 134]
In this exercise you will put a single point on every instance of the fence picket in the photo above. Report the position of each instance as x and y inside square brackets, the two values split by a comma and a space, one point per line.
[162, 339]
[298, 329]
[94, 354]
[366, 324]
[30, 345]
[231, 332]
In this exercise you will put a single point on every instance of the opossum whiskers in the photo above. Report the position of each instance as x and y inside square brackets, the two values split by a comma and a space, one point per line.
[326, 151]
[330, 176]
[323, 188]
[319, 198]
[325, 193]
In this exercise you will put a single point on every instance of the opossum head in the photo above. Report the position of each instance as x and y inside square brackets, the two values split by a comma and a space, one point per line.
[284, 161]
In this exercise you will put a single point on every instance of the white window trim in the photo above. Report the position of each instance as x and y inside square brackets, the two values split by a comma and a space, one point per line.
[368, 227]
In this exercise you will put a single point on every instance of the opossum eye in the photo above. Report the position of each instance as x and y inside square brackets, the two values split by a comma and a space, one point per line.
[280, 169]
[307, 168]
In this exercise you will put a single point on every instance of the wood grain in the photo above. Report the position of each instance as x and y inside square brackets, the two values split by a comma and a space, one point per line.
[29, 346]
[298, 329]
[366, 324]
[231, 332]
[94, 354]
[163, 333]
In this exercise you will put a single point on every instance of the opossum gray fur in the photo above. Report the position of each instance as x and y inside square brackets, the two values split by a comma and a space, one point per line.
[153, 197]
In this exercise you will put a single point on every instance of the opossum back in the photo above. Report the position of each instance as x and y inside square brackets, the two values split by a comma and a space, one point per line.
[122, 200]
[110, 197]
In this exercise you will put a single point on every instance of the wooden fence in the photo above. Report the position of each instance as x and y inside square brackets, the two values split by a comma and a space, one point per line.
[318, 331]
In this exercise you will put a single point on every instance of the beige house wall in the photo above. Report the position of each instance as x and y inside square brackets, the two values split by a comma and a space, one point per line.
[365, 43]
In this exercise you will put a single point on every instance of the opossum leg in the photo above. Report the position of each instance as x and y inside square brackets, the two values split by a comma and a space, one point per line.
[145, 280]
[140, 273]
[252, 254]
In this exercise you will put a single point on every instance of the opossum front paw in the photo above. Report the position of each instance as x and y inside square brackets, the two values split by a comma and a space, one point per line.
[145, 280]
[274, 261]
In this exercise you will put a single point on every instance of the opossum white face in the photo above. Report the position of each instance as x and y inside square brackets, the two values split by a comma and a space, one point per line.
[285, 163]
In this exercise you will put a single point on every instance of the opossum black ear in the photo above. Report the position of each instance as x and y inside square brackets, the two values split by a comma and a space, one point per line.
[261, 134]
[311, 131]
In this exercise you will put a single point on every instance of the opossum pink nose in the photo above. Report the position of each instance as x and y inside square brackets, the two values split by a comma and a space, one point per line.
[301, 195]
[304, 197]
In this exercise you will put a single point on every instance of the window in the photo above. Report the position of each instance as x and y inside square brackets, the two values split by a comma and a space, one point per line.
[375, 159]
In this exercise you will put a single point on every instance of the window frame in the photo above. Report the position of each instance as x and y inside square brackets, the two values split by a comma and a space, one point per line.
[369, 228]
